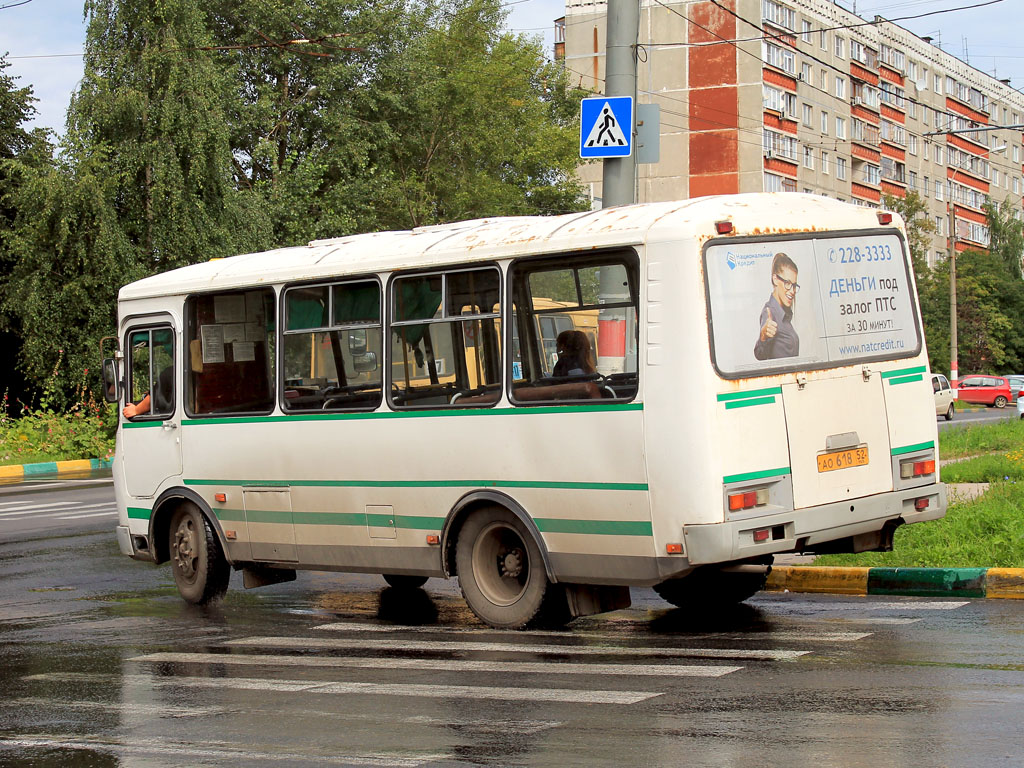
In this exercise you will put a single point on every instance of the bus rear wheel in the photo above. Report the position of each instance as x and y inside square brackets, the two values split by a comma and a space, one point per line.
[706, 589]
[200, 568]
[501, 573]
[396, 581]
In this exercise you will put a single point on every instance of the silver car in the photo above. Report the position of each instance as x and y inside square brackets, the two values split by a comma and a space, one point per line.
[944, 396]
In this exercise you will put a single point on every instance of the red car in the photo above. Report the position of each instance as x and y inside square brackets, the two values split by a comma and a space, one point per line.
[987, 390]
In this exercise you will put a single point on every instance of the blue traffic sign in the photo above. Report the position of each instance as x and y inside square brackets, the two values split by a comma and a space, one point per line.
[606, 126]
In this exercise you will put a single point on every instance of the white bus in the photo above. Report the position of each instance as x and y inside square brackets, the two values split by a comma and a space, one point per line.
[552, 409]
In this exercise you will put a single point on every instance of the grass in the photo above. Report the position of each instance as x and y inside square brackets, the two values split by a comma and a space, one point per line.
[975, 439]
[985, 532]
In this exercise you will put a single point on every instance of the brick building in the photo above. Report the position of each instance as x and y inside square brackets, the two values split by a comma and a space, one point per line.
[802, 95]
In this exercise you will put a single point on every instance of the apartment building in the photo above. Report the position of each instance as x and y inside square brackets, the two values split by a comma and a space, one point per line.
[804, 96]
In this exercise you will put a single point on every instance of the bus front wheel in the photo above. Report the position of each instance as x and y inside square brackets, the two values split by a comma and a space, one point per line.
[501, 573]
[708, 588]
[200, 569]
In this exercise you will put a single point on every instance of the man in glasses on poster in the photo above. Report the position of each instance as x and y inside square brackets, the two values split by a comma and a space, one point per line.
[778, 338]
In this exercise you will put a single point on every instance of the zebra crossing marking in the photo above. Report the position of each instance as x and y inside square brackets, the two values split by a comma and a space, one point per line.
[441, 665]
[340, 643]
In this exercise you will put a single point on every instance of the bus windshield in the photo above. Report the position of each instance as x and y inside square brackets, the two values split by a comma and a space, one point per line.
[809, 303]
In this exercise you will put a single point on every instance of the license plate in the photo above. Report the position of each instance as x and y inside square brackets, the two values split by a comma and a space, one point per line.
[852, 457]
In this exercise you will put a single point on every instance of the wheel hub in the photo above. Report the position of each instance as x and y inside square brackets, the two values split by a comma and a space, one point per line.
[185, 550]
[511, 564]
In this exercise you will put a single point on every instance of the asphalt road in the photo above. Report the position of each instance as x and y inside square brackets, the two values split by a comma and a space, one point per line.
[102, 664]
[980, 416]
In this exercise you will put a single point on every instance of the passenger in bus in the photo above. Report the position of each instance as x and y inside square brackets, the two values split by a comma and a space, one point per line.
[574, 355]
[163, 394]
[777, 337]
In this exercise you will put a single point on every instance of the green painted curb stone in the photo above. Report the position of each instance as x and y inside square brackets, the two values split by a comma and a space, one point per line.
[927, 582]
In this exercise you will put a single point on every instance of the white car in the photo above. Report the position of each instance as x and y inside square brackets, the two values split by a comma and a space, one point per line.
[944, 396]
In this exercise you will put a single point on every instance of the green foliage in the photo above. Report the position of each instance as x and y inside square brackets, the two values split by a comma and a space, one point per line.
[34, 434]
[984, 532]
[973, 439]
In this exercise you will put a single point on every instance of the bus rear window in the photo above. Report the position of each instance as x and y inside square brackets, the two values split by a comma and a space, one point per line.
[809, 303]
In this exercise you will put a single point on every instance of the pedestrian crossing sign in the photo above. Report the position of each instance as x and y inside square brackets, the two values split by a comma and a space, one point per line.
[606, 127]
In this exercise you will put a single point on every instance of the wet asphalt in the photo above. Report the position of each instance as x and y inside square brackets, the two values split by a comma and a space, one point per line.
[101, 664]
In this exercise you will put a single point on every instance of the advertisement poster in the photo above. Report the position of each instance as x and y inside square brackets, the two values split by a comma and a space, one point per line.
[809, 303]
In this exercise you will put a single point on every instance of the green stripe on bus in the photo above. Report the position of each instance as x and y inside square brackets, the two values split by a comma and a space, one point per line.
[911, 448]
[756, 475]
[595, 527]
[748, 403]
[904, 372]
[725, 396]
[905, 379]
[143, 424]
[552, 485]
[230, 515]
[524, 411]
[139, 513]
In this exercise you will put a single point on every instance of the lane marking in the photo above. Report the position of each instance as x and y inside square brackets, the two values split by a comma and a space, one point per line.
[785, 635]
[37, 507]
[499, 693]
[109, 513]
[216, 750]
[441, 665]
[478, 724]
[340, 643]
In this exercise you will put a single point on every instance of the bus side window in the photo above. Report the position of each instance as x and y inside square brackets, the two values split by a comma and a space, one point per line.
[151, 372]
[332, 344]
[575, 321]
[231, 348]
[445, 345]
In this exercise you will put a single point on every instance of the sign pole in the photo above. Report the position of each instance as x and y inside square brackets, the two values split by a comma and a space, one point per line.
[618, 179]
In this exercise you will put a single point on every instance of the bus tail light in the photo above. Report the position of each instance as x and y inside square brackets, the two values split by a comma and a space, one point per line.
[916, 468]
[723, 227]
[762, 534]
[920, 504]
[884, 217]
[748, 499]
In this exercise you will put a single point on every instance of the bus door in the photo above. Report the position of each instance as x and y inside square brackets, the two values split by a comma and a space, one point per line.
[151, 440]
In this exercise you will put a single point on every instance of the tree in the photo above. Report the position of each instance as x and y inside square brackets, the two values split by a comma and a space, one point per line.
[1006, 236]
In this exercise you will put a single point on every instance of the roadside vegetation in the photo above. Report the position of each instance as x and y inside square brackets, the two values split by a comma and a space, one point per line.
[973, 440]
[983, 532]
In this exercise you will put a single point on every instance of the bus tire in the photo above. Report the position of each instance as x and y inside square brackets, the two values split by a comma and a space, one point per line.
[707, 589]
[501, 573]
[200, 568]
[396, 581]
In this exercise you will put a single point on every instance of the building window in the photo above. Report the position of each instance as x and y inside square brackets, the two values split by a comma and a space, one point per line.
[777, 144]
[938, 189]
[839, 47]
[823, 41]
[912, 143]
[823, 80]
[824, 122]
[840, 128]
[937, 83]
[809, 160]
[924, 187]
[824, 162]
[1016, 153]
[912, 180]
[912, 109]
[840, 88]
[805, 27]
[872, 174]
[806, 72]
[938, 154]
[778, 14]
[773, 183]
[782, 58]
[840, 167]
[808, 115]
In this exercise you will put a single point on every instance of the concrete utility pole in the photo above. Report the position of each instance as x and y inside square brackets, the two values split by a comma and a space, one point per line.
[618, 179]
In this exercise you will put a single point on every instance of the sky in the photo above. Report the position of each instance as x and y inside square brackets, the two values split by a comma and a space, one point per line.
[44, 39]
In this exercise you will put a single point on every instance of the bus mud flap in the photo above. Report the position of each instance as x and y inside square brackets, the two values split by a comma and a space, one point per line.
[587, 599]
[257, 576]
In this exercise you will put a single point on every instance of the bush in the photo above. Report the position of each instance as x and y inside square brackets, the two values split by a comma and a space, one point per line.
[34, 434]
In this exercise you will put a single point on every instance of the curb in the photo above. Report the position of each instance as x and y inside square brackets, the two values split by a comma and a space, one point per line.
[58, 468]
[914, 582]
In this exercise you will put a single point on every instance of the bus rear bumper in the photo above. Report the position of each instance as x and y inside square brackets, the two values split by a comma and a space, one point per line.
[802, 529]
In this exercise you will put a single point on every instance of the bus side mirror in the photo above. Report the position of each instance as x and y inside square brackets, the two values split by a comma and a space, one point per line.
[357, 344]
[111, 388]
[365, 362]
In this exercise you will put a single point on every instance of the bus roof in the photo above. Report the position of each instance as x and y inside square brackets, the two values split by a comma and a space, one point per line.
[508, 237]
